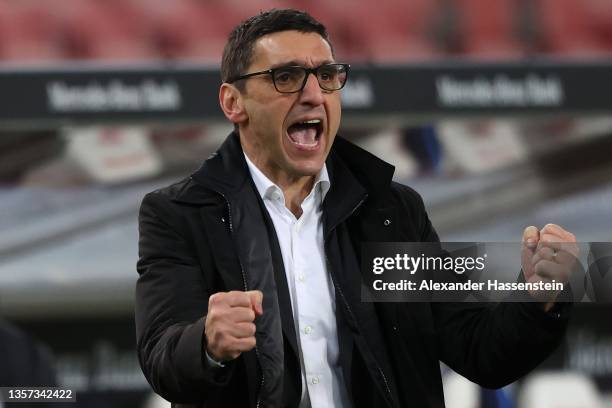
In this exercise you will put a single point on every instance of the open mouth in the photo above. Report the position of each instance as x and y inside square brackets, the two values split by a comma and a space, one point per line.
[306, 134]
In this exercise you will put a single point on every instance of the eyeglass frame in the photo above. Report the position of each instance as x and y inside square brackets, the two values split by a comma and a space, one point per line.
[308, 71]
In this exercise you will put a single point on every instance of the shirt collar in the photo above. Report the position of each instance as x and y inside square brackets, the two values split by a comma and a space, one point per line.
[267, 189]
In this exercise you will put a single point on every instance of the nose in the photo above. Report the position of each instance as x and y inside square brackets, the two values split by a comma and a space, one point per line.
[312, 93]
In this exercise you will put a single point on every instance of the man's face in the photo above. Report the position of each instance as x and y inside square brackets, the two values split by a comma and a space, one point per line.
[274, 134]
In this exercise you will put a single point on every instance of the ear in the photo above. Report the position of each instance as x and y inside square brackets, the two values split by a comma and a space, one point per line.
[232, 104]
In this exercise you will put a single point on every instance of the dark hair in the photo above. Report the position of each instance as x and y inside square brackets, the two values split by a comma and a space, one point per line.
[238, 51]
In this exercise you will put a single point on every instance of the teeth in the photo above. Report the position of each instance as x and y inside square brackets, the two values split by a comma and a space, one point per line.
[312, 121]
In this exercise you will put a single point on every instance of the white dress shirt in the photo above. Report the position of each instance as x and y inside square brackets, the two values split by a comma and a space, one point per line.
[310, 288]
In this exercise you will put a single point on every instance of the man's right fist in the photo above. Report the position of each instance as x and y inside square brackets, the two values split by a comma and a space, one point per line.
[230, 327]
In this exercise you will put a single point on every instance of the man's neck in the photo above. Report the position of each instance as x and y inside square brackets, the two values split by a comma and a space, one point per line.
[295, 193]
[295, 188]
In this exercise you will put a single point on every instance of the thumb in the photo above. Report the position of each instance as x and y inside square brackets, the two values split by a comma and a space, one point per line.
[531, 237]
[256, 297]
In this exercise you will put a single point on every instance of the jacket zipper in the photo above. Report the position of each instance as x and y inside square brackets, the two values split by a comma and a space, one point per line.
[246, 288]
[346, 303]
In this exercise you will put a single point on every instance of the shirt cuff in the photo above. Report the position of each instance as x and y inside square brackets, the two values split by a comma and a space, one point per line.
[214, 363]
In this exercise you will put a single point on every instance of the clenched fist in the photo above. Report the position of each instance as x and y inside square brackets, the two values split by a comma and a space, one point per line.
[548, 254]
[230, 327]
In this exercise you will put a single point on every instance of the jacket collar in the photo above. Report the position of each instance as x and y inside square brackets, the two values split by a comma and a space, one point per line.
[225, 170]
[353, 171]
[351, 161]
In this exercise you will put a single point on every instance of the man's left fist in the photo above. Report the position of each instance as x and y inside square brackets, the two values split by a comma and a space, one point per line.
[548, 254]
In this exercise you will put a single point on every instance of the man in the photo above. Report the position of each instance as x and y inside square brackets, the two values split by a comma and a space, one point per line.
[249, 288]
[23, 362]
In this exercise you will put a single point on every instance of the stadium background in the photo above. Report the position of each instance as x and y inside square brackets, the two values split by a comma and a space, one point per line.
[496, 111]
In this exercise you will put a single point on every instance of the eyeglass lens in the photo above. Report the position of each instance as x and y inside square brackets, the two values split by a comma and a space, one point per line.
[331, 77]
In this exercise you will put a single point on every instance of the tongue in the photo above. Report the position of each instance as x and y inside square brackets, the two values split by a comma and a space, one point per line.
[303, 135]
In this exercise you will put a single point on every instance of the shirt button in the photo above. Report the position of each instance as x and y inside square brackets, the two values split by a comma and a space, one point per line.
[301, 278]
[314, 380]
[307, 330]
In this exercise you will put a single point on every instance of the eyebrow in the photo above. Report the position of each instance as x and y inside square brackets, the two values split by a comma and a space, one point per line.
[298, 63]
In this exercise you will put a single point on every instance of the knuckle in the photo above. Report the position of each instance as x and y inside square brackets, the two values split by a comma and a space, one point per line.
[237, 294]
[252, 342]
[218, 298]
[247, 343]
[539, 268]
[551, 226]
[234, 345]
[212, 316]
[218, 312]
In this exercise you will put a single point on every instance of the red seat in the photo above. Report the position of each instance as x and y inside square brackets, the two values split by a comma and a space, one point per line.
[599, 15]
[235, 11]
[28, 33]
[333, 14]
[567, 29]
[183, 28]
[4, 35]
[103, 30]
[392, 31]
[488, 29]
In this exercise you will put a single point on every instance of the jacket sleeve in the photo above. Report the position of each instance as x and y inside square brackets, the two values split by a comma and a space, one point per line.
[494, 345]
[491, 344]
[171, 306]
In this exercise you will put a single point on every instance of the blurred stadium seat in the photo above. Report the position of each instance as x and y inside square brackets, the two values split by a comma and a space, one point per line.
[28, 33]
[569, 29]
[488, 28]
[393, 31]
[104, 30]
[185, 29]
[387, 31]
[599, 13]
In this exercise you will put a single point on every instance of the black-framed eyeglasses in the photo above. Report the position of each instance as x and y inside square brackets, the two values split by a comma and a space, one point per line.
[293, 78]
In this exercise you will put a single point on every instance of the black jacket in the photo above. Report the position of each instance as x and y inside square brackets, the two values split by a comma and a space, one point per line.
[207, 234]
